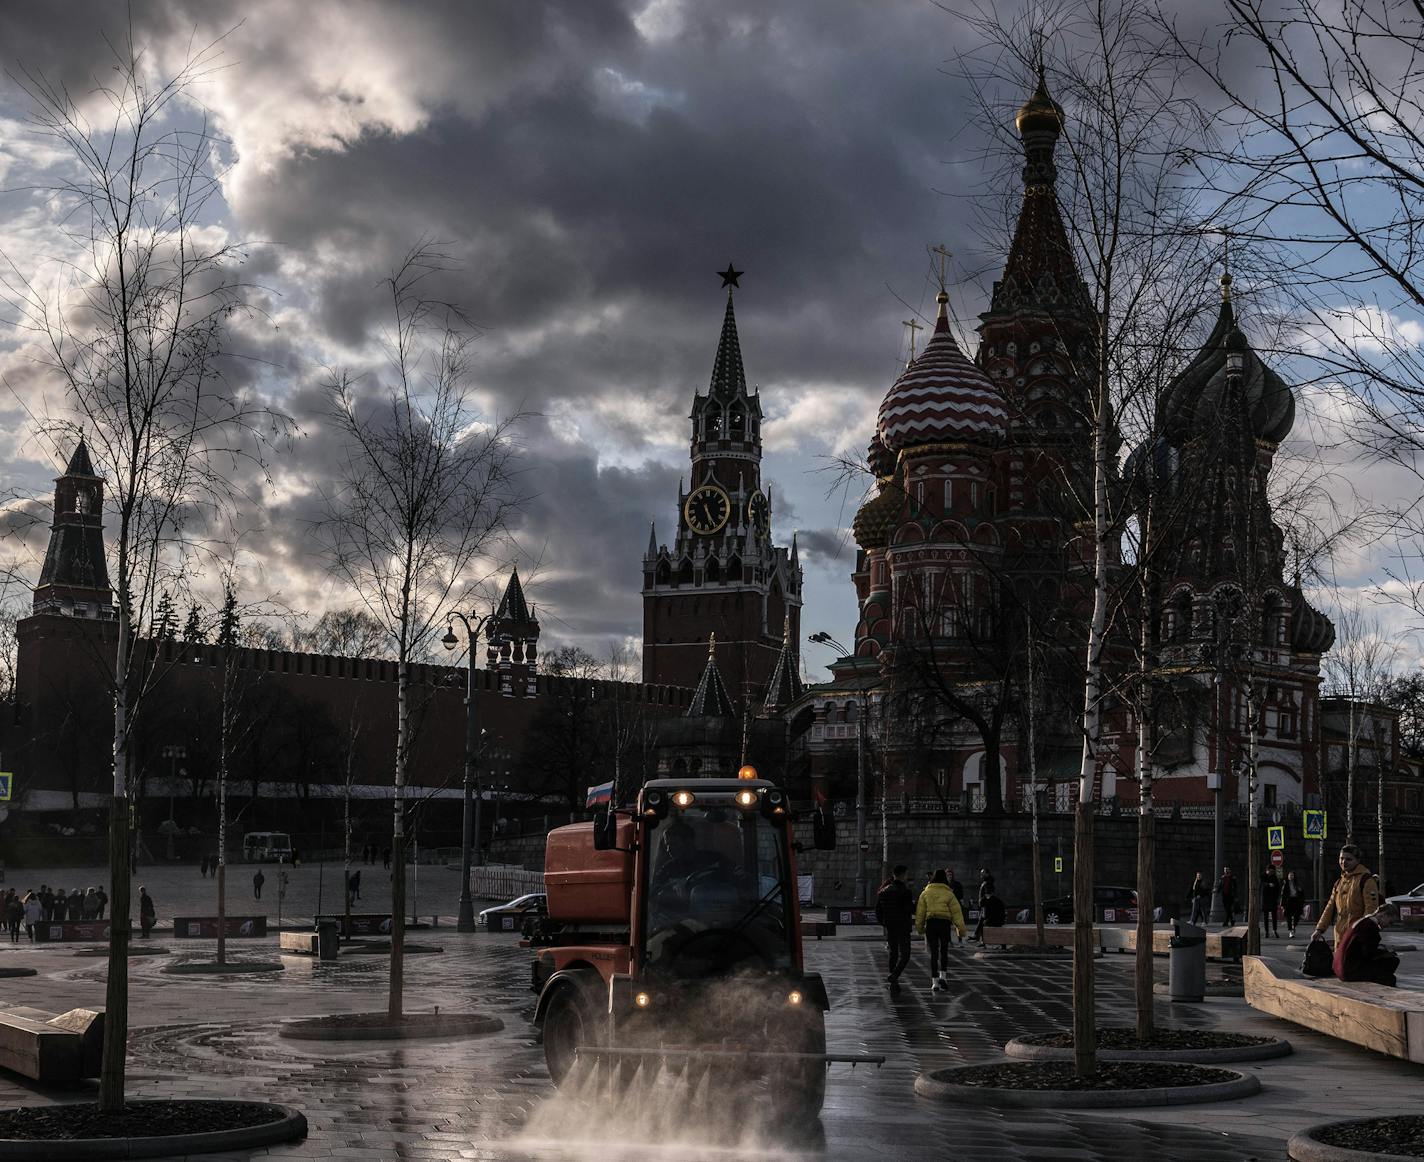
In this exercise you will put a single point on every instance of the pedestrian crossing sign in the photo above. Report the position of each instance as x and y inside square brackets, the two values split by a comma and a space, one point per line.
[1312, 824]
[7, 783]
[1275, 838]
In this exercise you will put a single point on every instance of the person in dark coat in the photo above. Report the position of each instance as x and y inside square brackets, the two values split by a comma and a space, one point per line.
[1292, 902]
[1270, 898]
[1227, 887]
[257, 881]
[1199, 900]
[986, 889]
[1359, 954]
[76, 905]
[958, 889]
[895, 911]
[147, 912]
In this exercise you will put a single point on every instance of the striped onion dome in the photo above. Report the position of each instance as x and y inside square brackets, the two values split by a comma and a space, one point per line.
[941, 396]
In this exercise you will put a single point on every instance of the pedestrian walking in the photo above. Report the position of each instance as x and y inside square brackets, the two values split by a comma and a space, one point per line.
[1227, 887]
[958, 889]
[147, 912]
[355, 886]
[14, 915]
[1356, 893]
[937, 914]
[986, 889]
[257, 881]
[34, 913]
[1292, 902]
[386, 857]
[203, 867]
[1270, 900]
[1199, 900]
[103, 898]
[895, 912]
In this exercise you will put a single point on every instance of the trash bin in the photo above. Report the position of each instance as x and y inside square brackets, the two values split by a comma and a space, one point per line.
[328, 938]
[1186, 969]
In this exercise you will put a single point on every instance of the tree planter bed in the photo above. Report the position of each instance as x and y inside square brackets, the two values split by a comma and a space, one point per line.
[145, 1129]
[8, 971]
[134, 950]
[213, 968]
[384, 947]
[1199, 1046]
[1117, 1084]
[1395, 1139]
[379, 1026]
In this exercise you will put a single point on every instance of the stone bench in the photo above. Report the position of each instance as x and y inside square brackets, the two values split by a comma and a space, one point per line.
[304, 942]
[1387, 1020]
[1225, 945]
[48, 1048]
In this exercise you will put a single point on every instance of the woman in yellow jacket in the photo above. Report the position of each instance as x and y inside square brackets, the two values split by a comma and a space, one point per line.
[1356, 894]
[937, 913]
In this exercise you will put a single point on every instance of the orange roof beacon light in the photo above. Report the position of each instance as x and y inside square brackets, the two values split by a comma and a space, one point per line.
[747, 772]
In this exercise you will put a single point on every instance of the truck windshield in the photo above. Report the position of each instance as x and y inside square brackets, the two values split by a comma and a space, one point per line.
[717, 895]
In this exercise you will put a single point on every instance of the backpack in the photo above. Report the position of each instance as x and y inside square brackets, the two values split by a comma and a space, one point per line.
[1319, 960]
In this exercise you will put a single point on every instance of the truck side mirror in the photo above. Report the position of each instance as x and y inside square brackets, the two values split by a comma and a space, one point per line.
[605, 830]
[823, 830]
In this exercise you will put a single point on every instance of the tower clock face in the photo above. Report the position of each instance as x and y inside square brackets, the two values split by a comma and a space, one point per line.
[759, 511]
[707, 509]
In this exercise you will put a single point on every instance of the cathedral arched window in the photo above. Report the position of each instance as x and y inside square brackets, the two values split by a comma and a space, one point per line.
[734, 569]
[1180, 616]
[712, 571]
[684, 575]
[737, 422]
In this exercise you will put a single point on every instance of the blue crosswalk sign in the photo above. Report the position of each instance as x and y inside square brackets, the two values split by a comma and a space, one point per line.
[1275, 838]
[1312, 824]
[7, 781]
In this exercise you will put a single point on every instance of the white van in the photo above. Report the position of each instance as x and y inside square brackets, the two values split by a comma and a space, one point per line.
[266, 847]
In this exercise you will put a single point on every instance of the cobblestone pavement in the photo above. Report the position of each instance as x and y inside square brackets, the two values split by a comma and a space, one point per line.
[490, 1098]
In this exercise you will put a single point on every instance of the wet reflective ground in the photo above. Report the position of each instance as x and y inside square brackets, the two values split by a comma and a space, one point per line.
[490, 1097]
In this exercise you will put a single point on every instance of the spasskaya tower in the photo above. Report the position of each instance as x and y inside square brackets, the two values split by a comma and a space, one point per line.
[721, 575]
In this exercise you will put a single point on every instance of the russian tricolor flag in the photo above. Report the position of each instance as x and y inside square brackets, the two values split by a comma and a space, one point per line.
[601, 795]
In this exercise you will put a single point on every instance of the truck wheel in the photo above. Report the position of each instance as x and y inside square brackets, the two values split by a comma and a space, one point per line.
[805, 1082]
[566, 1027]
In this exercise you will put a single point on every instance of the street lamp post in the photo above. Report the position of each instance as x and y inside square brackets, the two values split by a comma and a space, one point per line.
[825, 639]
[465, 922]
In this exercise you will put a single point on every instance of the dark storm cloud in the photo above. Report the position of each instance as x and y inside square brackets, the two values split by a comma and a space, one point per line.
[589, 165]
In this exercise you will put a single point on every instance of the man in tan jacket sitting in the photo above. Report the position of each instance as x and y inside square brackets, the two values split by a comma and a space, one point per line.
[1356, 893]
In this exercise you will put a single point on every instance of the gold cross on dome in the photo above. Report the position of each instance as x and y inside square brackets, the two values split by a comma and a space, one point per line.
[944, 256]
[914, 325]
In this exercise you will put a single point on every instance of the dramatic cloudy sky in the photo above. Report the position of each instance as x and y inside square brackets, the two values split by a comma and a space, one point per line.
[590, 164]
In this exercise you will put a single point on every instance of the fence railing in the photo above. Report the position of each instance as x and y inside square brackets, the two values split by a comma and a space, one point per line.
[499, 882]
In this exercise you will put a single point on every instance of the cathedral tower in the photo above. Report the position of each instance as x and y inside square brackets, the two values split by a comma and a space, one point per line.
[722, 574]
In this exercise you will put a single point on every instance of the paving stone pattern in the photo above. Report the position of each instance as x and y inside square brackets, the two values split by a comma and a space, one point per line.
[474, 1098]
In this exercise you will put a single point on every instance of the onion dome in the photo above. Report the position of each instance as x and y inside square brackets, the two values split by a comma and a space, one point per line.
[1194, 401]
[1040, 113]
[877, 516]
[1311, 631]
[879, 457]
[941, 397]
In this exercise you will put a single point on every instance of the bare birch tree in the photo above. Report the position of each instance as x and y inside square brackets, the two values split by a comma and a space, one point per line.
[425, 489]
[132, 330]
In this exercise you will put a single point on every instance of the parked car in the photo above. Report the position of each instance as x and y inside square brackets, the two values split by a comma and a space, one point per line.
[1411, 905]
[1059, 910]
[510, 917]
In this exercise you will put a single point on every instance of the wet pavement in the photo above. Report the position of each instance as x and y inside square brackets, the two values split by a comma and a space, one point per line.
[491, 1098]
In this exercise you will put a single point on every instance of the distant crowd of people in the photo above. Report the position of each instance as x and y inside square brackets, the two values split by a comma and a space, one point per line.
[43, 906]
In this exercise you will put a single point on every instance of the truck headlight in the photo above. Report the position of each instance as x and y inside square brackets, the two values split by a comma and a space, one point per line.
[794, 997]
[683, 798]
[642, 1000]
[746, 798]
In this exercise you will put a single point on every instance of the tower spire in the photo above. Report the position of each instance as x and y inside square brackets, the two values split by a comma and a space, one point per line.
[728, 376]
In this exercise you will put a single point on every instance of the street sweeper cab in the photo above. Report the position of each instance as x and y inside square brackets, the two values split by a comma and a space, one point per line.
[673, 940]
